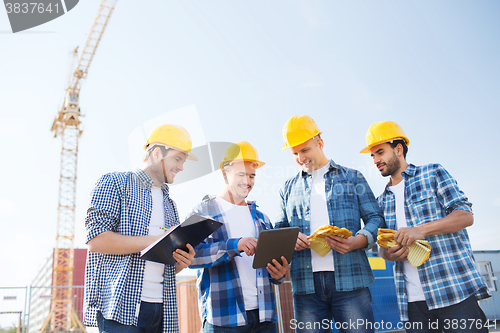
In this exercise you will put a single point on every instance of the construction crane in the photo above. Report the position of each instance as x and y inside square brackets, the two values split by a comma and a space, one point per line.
[62, 316]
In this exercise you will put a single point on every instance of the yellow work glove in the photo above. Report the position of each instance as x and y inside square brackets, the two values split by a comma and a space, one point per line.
[419, 250]
[318, 241]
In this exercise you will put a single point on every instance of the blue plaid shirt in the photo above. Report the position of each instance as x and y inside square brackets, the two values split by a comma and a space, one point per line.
[349, 199]
[122, 203]
[220, 297]
[450, 275]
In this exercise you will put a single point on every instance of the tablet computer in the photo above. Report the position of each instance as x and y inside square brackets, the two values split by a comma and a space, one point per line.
[274, 243]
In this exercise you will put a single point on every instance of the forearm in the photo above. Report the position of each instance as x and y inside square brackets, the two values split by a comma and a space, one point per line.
[214, 254]
[454, 222]
[360, 242]
[110, 242]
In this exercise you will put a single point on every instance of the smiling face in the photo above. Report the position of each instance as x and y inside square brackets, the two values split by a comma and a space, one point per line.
[386, 159]
[240, 178]
[309, 155]
[163, 168]
[172, 164]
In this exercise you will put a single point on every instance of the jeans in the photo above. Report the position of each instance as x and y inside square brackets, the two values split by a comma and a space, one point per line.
[465, 316]
[253, 326]
[150, 321]
[351, 311]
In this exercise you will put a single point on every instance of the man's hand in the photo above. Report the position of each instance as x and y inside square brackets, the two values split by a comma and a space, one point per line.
[276, 270]
[247, 245]
[302, 242]
[343, 246]
[183, 258]
[395, 253]
[406, 236]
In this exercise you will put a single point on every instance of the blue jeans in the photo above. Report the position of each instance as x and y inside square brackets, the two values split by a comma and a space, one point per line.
[150, 321]
[328, 310]
[253, 326]
[465, 317]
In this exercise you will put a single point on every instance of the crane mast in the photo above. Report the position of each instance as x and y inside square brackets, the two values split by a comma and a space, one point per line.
[66, 125]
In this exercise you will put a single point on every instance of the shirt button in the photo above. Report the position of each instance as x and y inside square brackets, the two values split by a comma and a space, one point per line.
[307, 266]
[307, 228]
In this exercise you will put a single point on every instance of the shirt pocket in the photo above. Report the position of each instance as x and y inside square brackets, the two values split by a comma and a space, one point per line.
[423, 207]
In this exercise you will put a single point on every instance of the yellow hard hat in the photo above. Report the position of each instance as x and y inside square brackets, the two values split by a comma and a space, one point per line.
[172, 136]
[241, 151]
[383, 131]
[299, 129]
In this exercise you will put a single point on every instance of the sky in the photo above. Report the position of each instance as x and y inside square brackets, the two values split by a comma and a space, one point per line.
[237, 70]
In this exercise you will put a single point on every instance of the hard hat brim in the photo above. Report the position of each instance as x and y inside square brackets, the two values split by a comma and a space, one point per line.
[258, 163]
[367, 149]
[191, 156]
[286, 146]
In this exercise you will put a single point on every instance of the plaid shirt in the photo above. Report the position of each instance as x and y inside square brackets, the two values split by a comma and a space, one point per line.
[450, 275]
[349, 199]
[220, 297]
[122, 203]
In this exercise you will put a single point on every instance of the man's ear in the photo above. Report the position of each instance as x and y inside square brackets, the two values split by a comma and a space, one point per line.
[399, 150]
[157, 155]
[224, 175]
[321, 143]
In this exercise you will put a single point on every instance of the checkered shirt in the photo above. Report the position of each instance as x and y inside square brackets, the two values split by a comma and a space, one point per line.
[220, 297]
[349, 199]
[450, 275]
[121, 202]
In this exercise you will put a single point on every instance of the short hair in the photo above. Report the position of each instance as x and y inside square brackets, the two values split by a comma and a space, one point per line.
[149, 149]
[395, 143]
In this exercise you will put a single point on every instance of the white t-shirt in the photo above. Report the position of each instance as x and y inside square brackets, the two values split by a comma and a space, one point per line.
[239, 223]
[319, 217]
[152, 288]
[412, 281]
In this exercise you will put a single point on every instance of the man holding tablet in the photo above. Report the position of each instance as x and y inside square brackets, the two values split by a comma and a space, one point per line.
[233, 296]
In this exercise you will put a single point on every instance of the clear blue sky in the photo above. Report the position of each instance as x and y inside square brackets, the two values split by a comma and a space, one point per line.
[247, 66]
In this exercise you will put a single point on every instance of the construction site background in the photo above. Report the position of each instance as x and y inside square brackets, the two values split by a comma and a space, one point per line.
[25, 309]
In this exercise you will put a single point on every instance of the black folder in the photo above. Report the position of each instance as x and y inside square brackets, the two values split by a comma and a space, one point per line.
[274, 243]
[193, 231]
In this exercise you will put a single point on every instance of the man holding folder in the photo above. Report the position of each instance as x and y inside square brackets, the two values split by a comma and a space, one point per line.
[124, 293]
[233, 296]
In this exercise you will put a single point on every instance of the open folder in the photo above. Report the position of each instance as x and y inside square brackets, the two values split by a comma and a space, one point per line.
[193, 231]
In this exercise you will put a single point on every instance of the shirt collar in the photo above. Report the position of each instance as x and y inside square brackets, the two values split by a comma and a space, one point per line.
[408, 172]
[147, 181]
[332, 166]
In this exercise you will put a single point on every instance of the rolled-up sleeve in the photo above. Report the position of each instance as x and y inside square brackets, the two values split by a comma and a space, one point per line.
[103, 213]
[370, 211]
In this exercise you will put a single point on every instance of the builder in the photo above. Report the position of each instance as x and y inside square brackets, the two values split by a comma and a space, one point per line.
[124, 293]
[425, 202]
[233, 296]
